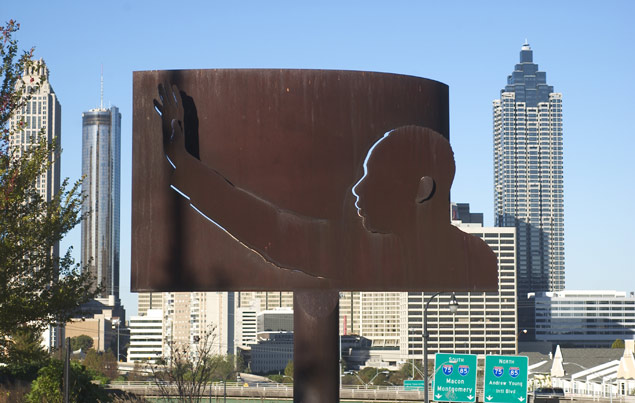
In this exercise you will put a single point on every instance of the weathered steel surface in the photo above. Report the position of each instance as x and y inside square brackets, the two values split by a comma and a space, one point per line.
[316, 346]
[273, 156]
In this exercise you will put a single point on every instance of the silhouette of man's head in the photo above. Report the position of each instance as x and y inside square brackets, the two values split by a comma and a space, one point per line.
[407, 173]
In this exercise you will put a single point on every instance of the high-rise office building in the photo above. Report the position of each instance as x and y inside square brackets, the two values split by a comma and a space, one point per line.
[101, 166]
[42, 116]
[528, 179]
[485, 322]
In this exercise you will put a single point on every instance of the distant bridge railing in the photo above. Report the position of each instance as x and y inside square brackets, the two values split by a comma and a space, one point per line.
[272, 390]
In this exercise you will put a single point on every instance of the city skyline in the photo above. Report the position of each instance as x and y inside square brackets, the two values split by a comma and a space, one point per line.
[473, 58]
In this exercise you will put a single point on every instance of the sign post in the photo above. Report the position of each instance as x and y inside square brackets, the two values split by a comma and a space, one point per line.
[505, 379]
[454, 377]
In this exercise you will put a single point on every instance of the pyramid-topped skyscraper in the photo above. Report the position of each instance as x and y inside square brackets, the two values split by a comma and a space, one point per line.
[528, 179]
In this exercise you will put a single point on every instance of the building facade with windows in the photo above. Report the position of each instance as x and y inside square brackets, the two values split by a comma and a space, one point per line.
[42, 118]
[246, 324]
[193, 316]
[272, 353]
[584, 318]
[149, 300]
[275, 320]
[485, 323]
[101, 170]
[528, 179]
[146, 337]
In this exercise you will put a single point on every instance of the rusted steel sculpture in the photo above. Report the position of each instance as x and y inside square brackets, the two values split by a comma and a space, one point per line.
[298, 180]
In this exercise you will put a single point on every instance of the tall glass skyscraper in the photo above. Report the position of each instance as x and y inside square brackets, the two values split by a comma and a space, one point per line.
[528, 183]
[101, 169]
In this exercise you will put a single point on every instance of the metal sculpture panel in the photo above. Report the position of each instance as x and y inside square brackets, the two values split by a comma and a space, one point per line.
[296, 179]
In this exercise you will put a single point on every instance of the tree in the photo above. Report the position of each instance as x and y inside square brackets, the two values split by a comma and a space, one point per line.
[224, 368]
[618, 344]
[288, 370]
[82, 342]
[374, 376]
[404, 372]
[37, 287]
[27, 347]
[349, 379]
[409, 370]
[48, 385]
[27, 356]
[101, 364]
[188, 367]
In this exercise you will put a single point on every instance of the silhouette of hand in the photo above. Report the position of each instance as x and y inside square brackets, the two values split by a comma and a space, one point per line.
[170, 108]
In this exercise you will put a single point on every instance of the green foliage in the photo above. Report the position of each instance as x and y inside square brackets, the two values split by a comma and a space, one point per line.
[374, 376]
[276, 378]
[223, 367]
[37, 286]
[82, 342]
[618, 344]
[396, 378]
[26, 347]
[102, 365]
[350, 380]
[367, 373]
[48, 385]
[239, 361]
[14, 391]
[288, 370]
[25, 356]
[407, 371]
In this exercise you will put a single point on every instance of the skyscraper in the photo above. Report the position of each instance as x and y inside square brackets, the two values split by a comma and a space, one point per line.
[42, 112]
[528, 182]
[43, 118]
[101, 165]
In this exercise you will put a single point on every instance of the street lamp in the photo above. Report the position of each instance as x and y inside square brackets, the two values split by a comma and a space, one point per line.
[453, 306]
[117, 324]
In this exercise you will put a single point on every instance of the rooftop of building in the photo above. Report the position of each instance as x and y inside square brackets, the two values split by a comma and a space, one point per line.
[574, 360]
[587, 294]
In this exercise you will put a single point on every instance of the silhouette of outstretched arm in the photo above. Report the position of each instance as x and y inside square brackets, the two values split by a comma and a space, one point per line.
[280, 236]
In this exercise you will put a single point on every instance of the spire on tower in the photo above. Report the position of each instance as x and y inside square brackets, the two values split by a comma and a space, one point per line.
[526, 45]
[101, 98]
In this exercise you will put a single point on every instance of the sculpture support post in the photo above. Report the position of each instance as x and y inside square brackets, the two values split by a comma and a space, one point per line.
[315, 346]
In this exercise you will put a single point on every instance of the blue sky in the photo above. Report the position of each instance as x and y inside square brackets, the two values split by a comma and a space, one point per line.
[586, 48]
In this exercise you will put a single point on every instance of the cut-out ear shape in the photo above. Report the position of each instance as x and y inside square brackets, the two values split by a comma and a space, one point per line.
[426, 189]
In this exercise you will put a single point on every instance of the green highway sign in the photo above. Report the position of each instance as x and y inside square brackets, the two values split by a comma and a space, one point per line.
[410, 384]
[454, 378]
[505, 379]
